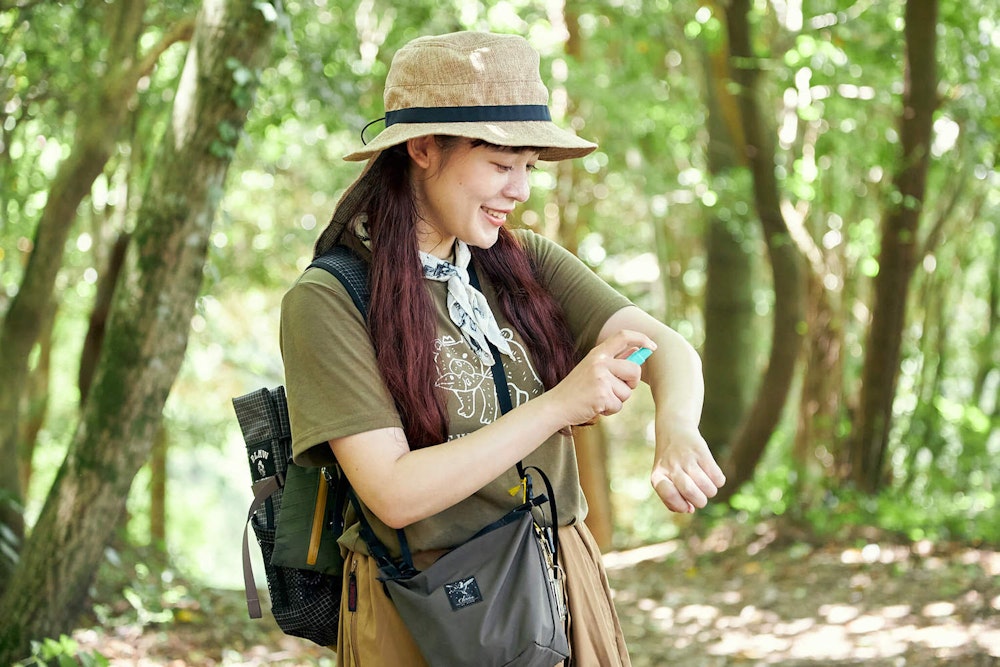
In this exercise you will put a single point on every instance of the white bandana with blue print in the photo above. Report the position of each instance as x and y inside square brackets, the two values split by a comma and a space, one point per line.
[467, 306]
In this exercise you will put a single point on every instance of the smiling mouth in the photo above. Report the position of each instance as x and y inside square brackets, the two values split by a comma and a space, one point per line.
[497, 216]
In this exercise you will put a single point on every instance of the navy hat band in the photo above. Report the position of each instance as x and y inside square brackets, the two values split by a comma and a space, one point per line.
[475, 114]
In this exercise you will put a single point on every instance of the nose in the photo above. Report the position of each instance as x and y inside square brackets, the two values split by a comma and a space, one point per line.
[517, 187]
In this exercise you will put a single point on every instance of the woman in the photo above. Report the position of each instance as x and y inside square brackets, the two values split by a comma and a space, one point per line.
[405, 402]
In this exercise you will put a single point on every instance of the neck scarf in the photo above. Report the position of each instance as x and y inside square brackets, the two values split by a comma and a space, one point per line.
[467, 306]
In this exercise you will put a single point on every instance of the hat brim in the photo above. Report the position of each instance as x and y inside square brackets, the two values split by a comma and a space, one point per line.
[555, 143]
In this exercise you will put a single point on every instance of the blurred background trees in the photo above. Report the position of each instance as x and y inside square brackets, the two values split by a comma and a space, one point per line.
[808, 194]
[139, 340]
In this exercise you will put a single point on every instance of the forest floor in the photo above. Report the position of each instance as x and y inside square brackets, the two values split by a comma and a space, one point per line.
[743, 596]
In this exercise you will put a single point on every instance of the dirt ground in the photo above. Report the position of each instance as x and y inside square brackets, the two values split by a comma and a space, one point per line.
[770, 601]
[751, 598]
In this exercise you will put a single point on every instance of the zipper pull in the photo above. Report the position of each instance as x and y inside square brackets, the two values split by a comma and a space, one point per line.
[352, 590]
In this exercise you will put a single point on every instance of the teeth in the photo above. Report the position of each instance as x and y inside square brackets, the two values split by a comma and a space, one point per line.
[500, 215]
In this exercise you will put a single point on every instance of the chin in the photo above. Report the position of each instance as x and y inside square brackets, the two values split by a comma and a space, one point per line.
[485, 241]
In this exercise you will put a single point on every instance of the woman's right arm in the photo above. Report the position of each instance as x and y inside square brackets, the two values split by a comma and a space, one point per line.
[402, 486]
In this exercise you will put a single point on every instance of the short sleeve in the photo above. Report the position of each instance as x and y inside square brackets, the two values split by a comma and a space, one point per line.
[587, 300]
[332, 380]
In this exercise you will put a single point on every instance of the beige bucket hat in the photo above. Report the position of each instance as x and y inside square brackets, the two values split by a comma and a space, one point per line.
[478, 85]
[471, 84]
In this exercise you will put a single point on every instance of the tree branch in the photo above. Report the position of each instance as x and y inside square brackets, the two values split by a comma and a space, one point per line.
[945, 212]
[180, 32]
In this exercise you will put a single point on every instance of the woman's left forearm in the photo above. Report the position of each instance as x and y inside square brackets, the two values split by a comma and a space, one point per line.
[685, 474]
[673, 372]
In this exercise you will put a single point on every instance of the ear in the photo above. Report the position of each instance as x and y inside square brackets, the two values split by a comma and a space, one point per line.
[424, 150]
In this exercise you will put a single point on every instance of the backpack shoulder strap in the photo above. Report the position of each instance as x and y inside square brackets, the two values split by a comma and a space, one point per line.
[352, 271]
[345, 265]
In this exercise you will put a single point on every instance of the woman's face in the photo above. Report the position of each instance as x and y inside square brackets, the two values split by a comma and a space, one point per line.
[466, 192]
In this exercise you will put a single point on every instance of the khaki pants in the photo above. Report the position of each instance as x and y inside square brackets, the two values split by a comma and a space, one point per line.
[374, 635]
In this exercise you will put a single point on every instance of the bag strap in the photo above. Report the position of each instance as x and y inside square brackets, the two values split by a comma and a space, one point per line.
[352, 271]
[406, 567]
[348, 267]
[263, 416]
[263, 419]
[503, 397]
[262, 490]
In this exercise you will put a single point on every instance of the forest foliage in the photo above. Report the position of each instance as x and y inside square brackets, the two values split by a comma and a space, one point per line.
[668, 209]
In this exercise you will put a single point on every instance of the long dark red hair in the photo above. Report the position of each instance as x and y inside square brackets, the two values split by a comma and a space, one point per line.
[401, 317]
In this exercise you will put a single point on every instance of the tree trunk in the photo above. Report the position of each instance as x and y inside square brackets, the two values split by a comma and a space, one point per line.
[729, 336]
[820, 406]
[897, 257]
[936, 294]
[97, 325]
[786, 271]
[148, 329]
[158, 490]
[35, 401]
[591, 442]
[988, 347]
[592, 458]
[99, 122]
[729, 310]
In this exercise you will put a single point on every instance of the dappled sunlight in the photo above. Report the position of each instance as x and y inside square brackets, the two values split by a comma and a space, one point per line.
[841, 632]
[878, 604]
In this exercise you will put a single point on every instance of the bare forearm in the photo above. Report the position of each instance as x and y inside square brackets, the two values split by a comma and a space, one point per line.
[685, 474]
[402, 486]
[423, 482]
[673, 372]
[675, 379]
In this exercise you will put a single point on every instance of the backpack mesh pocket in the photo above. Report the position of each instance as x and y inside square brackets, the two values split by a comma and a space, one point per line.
[303, 602]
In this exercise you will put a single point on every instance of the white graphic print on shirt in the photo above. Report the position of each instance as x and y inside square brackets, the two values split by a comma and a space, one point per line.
[471, 381]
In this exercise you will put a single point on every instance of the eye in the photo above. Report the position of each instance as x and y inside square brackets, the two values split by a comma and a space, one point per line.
[503, 168]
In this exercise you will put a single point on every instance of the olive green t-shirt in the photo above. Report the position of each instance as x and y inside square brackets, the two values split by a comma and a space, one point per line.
[334, 387]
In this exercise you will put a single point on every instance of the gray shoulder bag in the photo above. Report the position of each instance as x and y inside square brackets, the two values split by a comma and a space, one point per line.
[497, 599]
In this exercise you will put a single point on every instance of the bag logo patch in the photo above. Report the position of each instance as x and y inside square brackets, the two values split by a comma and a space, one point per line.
[463, 593]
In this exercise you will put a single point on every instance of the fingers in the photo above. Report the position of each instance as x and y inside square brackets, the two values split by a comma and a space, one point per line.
[670, 496]
[685, 487]
[618, 391]
[704, 484]
[714, 473]
[604, 380]
[628, 372]
[690, 491]
[612, 354]
[625, 342]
